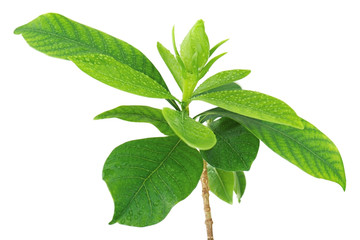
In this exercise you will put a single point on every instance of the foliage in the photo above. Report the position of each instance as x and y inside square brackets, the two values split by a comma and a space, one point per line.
[147, 177]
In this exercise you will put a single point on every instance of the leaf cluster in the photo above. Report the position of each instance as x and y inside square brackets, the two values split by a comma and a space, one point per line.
[147, 177]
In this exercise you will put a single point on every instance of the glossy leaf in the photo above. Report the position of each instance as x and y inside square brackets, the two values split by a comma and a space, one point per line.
[148, 177]
[172, 64]
[221, 79]
[308, 148]
[113, 73]
[253, 104]
[213, 49]
[139, 114]
[240, 184]
[194, 50]
[207, 67]
[226, 87]
[58, 36]
[221, 183]
[236, 148]
[191, 132]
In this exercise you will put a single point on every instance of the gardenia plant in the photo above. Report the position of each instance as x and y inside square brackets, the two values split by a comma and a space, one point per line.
[147, 177]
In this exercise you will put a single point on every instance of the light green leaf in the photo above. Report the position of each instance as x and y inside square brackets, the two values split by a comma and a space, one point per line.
[172, 64]
[196, 43]
[113, 73]
[177, 55]
[213, 49]
[148, 177]
[236, 148]
[253, 104]
[191, 132]
[308, 148]
[139, 114]
[240, 184]
[221, 79]
[58, 36]
[207, 67]
[221, 183]
[226, 87]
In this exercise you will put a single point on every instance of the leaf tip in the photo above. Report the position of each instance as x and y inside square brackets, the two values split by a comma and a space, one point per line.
[113, 221]
[98, 117]
[298, 124]
[18, 31]
[343, 185]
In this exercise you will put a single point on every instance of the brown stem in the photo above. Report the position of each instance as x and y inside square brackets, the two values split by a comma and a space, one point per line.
[205, 195]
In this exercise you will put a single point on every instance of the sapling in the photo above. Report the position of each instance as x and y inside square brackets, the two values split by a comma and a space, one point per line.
[147, 177]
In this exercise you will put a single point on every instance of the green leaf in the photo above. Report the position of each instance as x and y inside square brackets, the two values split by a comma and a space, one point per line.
[221, 79]
[148, 177]
[207, 67]
[195, 44]
[177, 55]
[58, 36]
[213, 49]
[139, 114]
[236, 148]
[191, 132]
[172, 64]
[226, 87]
[240, 184]
[221, 183]
[255, 105]
[308, 148]
[113, 73]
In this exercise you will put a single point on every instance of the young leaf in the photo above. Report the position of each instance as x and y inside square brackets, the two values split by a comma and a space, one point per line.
[308, 148]
[255, 105]
[191, 132]
[221, 183]
[113, 73]
[148, 177]
[207, 67]
[240, 184]
[172, 64]
[236, 148]
[177, 55]
[196, 43]
[220, 79]
[139, 114]
[213, 49]
[58, 36]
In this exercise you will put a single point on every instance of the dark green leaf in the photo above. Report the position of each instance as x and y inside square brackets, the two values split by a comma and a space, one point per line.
[308, 148]
[209, 64]
[58, 36]
[191, 132]
[113, 73]
[255, 105]
[172, 64]
[235, 149]
[221, 79]
[139, 114]
[221, 183]
[240, 184]
[148, 177]
[213, 49]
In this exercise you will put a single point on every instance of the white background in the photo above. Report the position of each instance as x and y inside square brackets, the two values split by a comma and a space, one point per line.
[306, 53]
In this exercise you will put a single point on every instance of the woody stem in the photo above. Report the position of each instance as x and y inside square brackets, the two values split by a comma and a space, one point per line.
[205, 196]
